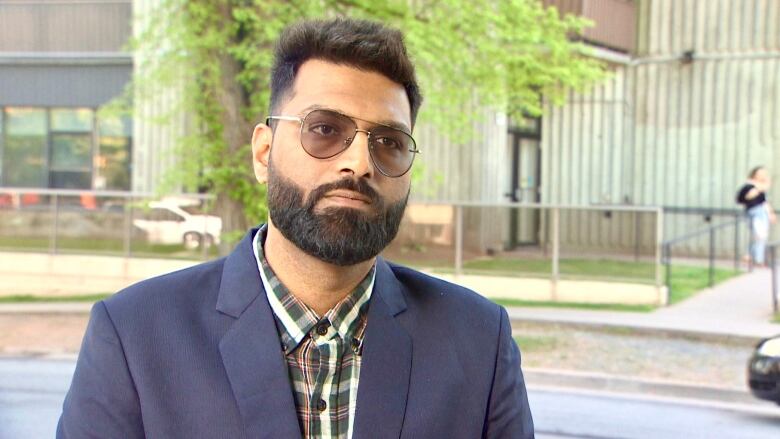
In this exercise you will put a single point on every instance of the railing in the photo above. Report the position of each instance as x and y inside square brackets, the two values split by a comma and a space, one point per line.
[539, 251]
[107, 222]
[711, 233]
[772, 249]
[519, 240]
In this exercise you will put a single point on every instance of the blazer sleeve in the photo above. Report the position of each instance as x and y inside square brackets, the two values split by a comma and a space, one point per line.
[509, 415]
[102, 401]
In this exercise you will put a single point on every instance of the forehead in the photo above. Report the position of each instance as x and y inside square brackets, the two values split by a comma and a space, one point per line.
[363, 94]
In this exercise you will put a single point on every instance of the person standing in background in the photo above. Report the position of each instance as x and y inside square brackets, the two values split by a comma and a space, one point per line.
[759, 212]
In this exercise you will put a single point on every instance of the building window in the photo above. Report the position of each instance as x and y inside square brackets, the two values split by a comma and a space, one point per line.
[24, 147]
[71, 148]
[112, 162]
[66, 148]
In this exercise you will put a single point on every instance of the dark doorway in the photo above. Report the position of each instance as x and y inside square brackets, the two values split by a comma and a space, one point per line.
[526, 163]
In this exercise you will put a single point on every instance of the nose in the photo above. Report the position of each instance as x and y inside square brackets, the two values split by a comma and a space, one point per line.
[356, 159]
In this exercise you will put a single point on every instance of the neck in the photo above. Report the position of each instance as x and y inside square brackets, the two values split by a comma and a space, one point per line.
[318, 284]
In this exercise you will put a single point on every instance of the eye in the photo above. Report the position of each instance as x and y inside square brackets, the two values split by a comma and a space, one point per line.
[388, 143]
[324, 129]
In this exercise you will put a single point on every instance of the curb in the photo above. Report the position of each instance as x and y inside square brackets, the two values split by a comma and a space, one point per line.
[689, 334]
[623, 384]
[47, 308]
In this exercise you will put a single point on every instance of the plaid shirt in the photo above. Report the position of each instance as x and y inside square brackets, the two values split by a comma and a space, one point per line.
[323, 353]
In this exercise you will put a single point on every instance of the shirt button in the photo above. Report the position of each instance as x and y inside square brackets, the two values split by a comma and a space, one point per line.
[322, 328]
[356, 346]
[322, 405]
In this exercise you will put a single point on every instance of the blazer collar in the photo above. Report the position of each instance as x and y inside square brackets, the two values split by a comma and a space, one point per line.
[251, 351]
[387, 362]
[257, 371]
[240, 283]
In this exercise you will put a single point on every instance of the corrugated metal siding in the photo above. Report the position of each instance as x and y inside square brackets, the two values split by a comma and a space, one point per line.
[665, 132]
[64, 26]
[158, 124]
[475, 170]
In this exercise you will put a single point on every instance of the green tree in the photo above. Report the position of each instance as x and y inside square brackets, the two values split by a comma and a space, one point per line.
[218, 53]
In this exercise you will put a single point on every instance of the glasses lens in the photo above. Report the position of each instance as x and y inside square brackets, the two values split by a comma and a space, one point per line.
[325, 133]
[392, 150]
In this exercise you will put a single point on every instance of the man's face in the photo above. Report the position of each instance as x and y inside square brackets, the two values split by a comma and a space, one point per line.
[341, 210]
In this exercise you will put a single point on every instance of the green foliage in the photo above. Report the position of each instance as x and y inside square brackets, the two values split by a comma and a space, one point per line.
[215, 56]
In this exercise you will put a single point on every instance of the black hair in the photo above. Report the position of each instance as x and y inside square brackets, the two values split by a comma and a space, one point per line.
[754, 171]
[367, 45]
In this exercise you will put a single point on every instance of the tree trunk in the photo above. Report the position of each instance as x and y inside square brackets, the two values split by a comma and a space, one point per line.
[236, 133]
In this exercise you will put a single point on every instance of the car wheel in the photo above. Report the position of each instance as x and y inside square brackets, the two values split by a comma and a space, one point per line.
[191, 240]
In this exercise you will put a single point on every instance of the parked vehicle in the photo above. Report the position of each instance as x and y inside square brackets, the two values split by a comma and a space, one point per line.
[764, 370]
[169, 222]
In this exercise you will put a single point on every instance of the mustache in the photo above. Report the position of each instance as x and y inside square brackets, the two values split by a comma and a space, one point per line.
[360, 186]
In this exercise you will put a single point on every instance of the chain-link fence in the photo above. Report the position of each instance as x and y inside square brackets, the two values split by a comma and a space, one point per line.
[533, 240]
[108, 223]
[554, 244]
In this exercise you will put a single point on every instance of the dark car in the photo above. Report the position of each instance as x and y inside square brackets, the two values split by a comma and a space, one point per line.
[764, 370]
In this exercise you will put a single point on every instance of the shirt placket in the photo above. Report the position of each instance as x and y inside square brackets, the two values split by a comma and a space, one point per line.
[324, 396]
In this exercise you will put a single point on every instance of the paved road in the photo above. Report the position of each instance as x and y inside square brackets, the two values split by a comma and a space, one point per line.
[31, 393]
[566, 413]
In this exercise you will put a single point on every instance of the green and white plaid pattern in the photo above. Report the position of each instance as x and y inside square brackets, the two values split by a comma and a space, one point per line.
[323, 354]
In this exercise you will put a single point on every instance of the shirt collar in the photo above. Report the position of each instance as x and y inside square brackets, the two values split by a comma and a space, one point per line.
[297, 319]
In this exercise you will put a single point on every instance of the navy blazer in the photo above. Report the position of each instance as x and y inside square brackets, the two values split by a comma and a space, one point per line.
[196, 354]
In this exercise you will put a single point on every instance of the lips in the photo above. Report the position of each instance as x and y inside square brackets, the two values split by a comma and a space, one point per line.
[349, 195]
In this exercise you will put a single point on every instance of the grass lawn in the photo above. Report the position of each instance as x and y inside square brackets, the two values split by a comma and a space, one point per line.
[28, 298]
[686, 280]
[777, 318]
[536, 343]
[590, 306]
[102, 246]
[568, 268]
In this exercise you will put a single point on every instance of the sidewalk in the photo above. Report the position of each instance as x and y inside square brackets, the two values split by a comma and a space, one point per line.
[740, 307]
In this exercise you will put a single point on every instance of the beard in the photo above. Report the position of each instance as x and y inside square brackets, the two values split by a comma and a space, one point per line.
[340, 236]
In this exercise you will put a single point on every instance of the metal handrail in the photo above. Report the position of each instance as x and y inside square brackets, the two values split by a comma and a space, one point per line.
[772, 248]
[701, 232]
[101, 193]
[667, 248]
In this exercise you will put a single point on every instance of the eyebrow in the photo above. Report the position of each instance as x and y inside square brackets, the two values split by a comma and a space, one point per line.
[400, 126]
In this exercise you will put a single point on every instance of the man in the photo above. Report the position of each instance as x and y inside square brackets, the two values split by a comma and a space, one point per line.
[303, 330]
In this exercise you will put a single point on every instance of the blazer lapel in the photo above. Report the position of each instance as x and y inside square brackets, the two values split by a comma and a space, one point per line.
[386, 364]
[251, 350]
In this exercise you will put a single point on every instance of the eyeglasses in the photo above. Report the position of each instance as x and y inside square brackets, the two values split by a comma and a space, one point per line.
[327, 133]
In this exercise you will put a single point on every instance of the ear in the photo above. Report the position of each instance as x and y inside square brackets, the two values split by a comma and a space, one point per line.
[261, 151]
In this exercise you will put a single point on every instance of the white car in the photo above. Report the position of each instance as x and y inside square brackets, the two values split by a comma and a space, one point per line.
[166, 222]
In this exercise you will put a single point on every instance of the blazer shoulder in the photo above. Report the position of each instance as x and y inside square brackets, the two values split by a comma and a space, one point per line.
[426, 288]
[173, 287]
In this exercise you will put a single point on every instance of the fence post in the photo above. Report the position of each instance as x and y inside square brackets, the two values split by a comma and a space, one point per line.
[458, 240]
[712, 257]
[772, 261]
[736, 241]
[637, 235]
[556, 250]
[128, 225]
[55, 224]
[660, 254]
[668, 264]
[659, 247]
